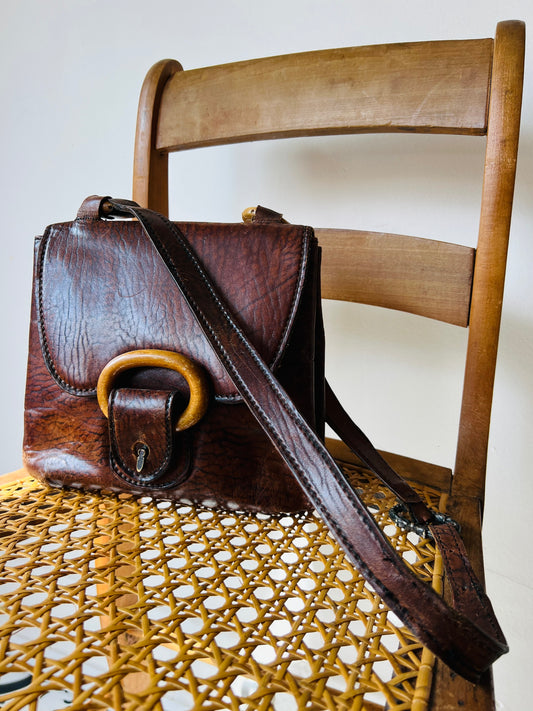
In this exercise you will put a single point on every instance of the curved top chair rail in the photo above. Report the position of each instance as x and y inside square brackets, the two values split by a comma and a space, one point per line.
[427, 87]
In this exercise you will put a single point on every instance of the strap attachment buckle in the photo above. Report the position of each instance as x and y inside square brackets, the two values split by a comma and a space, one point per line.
[403, 518]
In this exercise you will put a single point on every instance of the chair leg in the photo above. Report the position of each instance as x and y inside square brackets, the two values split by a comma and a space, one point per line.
[449, 690]
[452, 691]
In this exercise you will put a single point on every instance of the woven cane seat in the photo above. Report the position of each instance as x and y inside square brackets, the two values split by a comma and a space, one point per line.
[113, 602]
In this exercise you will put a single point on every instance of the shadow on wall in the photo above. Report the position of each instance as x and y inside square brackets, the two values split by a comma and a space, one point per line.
[391, 182]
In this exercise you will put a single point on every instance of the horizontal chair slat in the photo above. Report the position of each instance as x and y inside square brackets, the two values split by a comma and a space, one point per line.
[424, 87]
[419, 276]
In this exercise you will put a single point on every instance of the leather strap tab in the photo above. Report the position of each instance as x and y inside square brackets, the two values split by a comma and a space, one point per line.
[141, 429]
[91, 208]
[266, 215]
[95, 207]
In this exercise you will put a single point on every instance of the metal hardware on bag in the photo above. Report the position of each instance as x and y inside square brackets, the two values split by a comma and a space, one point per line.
[106, 208]
[191, 371]
[142, 454]
[262, 214]
[248, 215]
[401, 517]
[109, 211]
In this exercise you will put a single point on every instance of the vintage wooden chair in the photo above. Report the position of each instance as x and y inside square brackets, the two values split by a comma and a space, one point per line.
[123, 603]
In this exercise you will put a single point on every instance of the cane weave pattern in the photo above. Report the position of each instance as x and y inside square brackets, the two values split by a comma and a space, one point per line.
[111, 602]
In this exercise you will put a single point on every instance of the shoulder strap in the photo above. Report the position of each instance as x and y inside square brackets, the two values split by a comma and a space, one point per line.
[466, 636]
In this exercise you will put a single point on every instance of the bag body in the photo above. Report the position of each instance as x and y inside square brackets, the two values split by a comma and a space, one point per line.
[101, 290]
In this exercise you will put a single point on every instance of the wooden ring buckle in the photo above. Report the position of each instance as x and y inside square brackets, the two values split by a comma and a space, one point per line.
[191, 371]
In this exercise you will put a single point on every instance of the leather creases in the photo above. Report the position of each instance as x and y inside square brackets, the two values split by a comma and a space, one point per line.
[101, 290]
[243, 302]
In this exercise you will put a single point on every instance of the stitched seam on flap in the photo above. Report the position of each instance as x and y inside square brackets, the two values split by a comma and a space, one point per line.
[48, 359]
[297, 292]
[91, 391]
[200, 268]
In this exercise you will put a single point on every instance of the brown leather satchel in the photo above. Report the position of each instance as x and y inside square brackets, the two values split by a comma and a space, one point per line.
[186, 361]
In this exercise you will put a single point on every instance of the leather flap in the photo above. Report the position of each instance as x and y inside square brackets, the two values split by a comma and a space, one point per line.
[103, 290]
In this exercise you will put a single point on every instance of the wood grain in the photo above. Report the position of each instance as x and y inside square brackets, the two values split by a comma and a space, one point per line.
[428, 87]
[419, 276]
[432, 475]
[10, 477]
[150, 166]
[489, 277]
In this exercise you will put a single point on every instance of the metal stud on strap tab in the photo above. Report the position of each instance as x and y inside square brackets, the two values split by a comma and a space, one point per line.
[401, 517]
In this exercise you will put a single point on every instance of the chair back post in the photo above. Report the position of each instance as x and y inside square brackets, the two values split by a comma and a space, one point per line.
[489, 274]
[150, 166]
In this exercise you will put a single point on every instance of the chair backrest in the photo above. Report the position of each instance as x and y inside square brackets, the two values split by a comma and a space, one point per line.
[468, 87]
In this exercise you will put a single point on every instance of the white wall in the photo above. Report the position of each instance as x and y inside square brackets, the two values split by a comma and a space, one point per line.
[70, 73]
